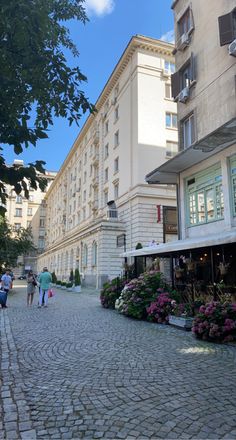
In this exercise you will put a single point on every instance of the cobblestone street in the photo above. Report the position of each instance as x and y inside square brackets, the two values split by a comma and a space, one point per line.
[75, 370]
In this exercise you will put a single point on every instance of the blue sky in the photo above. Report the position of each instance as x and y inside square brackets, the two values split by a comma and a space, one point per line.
[100, 42]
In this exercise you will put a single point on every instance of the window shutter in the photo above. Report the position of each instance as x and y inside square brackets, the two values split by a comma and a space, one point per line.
[191, 19]
[226, 28]
[193, 68]
[175, 84]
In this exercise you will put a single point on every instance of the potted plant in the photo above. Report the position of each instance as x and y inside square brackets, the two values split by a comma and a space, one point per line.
[71, 277]
[54, 278]
[69, 286]
[216, 322]
[190, 264]
[77, 281]
[179, 272]
[58, 284]
[181, 315]
[223, 267]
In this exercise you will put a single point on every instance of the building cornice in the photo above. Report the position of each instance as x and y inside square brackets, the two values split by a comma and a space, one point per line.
[82, 233]
[137, 42]
[174, 4]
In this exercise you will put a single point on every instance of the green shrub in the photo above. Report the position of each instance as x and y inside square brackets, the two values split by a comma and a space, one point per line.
[54, 278]
[139, 293]
[111, 291]
[160, 309]
[216, 322]
[71, 277]
[77, 277]
[58, 282]
[69, 285]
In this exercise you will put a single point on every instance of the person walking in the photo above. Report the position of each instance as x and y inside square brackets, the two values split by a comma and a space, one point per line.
[31, 286]
[6, 285]
[45, 278]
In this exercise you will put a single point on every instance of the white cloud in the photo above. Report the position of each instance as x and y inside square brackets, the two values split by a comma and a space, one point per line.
[99, 7]
[169, 37]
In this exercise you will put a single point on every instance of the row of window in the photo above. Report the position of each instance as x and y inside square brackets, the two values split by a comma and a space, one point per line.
[205, 200]
[19, 199]
[18, 212]
[69, 259]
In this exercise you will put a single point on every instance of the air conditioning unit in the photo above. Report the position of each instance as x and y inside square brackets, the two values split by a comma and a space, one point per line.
[183, 41]
[184, 95]
[232, 48]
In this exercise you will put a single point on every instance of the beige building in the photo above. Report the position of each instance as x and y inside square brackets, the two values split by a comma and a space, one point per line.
[99, 203]
[204, 170]
[22, 212]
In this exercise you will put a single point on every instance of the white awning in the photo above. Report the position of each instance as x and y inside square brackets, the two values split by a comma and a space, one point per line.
[181, 245]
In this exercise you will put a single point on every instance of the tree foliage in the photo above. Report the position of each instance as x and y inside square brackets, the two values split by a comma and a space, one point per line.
[37, 83]
[13, 243]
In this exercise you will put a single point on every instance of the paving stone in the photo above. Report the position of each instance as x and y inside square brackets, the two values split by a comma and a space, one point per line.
[82, 372]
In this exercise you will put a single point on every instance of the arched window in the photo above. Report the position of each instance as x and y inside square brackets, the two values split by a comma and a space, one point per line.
[85, 255]
[94, 253]
[72, 259]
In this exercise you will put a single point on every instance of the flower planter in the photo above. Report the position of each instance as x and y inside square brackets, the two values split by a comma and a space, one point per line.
[69, 289]
[77, 289]
[184, 322]
[179, 273]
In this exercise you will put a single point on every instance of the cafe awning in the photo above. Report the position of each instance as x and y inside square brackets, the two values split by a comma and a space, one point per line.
[184, 245]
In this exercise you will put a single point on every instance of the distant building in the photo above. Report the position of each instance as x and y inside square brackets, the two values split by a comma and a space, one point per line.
[99, 203]
[22, 212]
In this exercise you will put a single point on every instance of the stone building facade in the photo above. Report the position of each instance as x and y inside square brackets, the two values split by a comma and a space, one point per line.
[22, 212]
[204, 170]
[99, 203]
